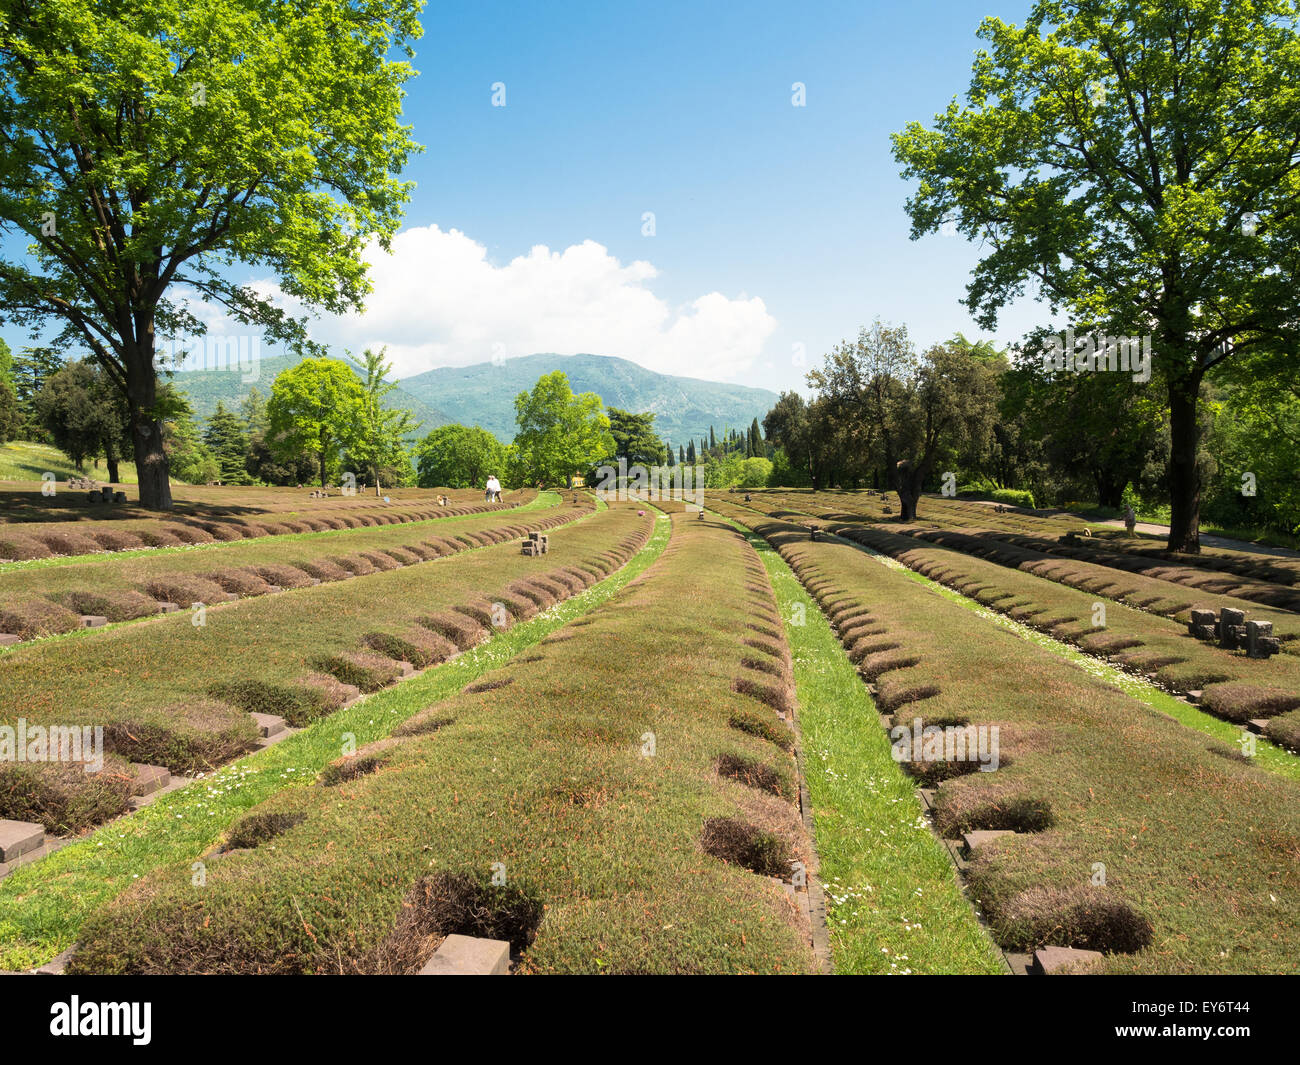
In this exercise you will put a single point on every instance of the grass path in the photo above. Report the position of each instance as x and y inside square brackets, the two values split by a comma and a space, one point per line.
[43, 905]
[893, 902]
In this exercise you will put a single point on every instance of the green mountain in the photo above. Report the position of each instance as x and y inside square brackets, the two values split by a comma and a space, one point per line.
[484, 394]
[684, 407]
[206, 387]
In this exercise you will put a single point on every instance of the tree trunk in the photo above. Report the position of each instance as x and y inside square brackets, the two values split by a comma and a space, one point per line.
[907, 481]
[322, 465]
[151, 466]
[1184, 474]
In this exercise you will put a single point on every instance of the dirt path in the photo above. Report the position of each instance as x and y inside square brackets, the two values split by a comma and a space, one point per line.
[1211, 541]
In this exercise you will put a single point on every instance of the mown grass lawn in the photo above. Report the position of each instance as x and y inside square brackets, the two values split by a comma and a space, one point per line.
[42, 906]
[22, 460]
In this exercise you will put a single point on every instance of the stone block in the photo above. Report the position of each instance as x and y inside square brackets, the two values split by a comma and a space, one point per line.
[1049, 960]
[149, 778]
[7, 638]
[168, 608]
[268, 724]
[1204, 617]
[469, 956]
[93, 621]
[1256, 633]
[19, 837]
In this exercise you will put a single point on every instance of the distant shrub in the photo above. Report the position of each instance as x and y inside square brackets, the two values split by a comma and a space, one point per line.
[298, 705]
[766, 727]
[63, 796]
[755, 774]
[21, 547]
[348, 769]
[116, 606]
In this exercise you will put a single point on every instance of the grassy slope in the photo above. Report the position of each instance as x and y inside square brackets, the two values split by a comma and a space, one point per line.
[22, 460]
[1200, 844]
[42, 906]
[148, 683]
[545, 775]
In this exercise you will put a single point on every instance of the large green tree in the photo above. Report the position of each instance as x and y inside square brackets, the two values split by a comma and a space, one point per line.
[560, 433]
[226, 437]
[379, 444]
[146, 147]
[1137, 162]
[84, 415]
[459, 456]
[908, 411]
[634, 438]
[315, 408]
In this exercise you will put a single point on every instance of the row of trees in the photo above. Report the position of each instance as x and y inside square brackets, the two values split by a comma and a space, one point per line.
[885, 416]
[325, 416]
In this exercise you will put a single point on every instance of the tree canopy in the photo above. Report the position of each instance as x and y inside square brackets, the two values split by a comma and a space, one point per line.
[315, 407]
[141, 156]
[1137, 164]
[560, 434]
[459, 456]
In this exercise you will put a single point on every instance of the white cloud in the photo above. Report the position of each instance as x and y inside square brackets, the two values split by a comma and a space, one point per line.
[439, 301]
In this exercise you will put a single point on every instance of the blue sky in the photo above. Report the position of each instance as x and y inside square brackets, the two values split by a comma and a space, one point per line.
[775, 225]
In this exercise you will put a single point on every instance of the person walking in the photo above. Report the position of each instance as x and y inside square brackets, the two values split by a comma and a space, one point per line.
[493, 489]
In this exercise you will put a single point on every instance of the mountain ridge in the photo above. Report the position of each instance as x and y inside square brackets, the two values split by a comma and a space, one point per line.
[483, 394]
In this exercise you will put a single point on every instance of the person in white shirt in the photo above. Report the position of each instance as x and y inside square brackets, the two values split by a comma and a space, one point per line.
[493, 489]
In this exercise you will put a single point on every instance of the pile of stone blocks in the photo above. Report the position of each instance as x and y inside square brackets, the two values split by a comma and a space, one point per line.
[536, 544]
[106, 495]
[1231, 631]
[82, 483]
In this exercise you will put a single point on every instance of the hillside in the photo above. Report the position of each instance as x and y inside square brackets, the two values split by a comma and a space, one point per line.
[684, 407]
[206, 387]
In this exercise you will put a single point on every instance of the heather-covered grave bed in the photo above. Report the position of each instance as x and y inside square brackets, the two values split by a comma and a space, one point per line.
[48, 600]
[1233, 686]
[34, 526]
[608, 804]
[175, 693]
[1131, 834]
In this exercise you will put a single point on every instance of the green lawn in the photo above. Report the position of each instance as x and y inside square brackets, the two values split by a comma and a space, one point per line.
[22, 460]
